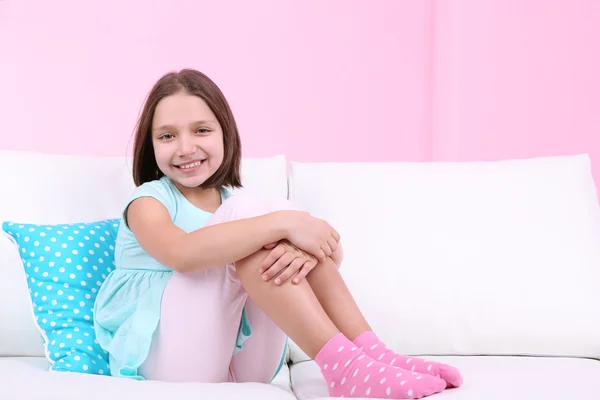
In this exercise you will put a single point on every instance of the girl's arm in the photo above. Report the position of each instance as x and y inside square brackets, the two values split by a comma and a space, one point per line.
[224, 243]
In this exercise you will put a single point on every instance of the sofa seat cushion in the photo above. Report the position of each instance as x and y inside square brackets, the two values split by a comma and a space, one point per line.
[28, 378]
[491, 378]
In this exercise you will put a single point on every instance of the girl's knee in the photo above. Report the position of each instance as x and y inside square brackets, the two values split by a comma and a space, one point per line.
[251, 262]
[236, 207]
[241, 206]
[280, 205]
[328, 263]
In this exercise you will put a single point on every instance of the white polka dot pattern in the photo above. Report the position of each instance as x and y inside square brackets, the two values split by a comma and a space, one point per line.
[65, 267]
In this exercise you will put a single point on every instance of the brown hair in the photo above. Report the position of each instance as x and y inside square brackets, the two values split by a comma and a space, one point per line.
[195, 83]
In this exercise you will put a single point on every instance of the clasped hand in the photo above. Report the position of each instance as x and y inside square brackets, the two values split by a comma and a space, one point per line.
[286, 261]
[310, 240]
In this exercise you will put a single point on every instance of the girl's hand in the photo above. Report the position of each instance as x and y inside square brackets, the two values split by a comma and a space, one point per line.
[285, 261]
[313, 235]
[338, 255]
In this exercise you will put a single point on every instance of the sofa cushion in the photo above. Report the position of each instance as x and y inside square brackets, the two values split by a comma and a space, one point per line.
[490, 378]
[467, 258]
[28, 378]
[57, 189]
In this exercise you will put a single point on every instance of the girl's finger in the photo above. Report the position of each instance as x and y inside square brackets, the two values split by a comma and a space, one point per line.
[278, 266]
[273, 256]
[335, 234]
[293, 267]
[320, 255]
[327, 249]
[306, 268]
[332, 244]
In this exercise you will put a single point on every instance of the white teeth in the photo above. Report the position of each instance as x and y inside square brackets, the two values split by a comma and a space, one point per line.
[192, 165]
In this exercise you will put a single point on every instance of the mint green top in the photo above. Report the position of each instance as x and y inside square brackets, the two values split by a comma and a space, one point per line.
[127, 308]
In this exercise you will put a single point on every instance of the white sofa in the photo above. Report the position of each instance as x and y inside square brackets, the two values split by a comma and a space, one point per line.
[493, 267]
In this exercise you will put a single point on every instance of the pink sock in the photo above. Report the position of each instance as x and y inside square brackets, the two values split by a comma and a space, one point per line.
[350, 372]
[375, 348]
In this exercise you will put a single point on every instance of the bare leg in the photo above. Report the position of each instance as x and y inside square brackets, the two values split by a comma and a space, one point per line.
[348, 371]
[335, 298]
[307, 325]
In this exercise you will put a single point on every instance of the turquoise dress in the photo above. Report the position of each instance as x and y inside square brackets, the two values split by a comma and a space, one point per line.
[127, 308]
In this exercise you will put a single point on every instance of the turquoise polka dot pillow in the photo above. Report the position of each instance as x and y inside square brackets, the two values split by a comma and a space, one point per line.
[65, 266]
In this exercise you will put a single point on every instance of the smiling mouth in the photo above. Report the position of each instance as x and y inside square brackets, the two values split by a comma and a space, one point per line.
[190, 165]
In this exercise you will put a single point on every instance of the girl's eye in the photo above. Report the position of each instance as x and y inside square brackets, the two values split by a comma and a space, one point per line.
[166, 136]
[202, 130]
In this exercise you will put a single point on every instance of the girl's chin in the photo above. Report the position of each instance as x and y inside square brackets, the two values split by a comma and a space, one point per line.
[191, 181]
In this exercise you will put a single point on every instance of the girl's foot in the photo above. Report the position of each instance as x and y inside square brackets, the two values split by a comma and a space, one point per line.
[375, 348]
[350, 372]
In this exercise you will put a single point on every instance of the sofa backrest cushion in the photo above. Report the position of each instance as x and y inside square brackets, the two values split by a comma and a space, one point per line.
[467, 258]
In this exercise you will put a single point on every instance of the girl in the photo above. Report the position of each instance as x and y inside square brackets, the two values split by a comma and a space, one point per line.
[193, 297]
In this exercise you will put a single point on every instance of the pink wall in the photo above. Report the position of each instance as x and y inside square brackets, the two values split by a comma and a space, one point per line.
[312, 79]
[516, 79]
[316, 80]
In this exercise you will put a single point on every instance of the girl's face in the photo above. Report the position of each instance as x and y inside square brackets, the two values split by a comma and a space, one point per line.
[187, 139]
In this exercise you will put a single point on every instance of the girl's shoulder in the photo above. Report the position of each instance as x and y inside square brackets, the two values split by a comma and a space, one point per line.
[162, 186]
[161, 189]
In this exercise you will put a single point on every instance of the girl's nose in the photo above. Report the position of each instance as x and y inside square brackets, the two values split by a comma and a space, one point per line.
[185, 146]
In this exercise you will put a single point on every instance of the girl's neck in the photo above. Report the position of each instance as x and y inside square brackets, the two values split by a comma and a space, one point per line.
[205, 199]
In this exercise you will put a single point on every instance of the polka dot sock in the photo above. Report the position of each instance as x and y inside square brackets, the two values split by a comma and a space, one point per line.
[349, 372]
[375, 348]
